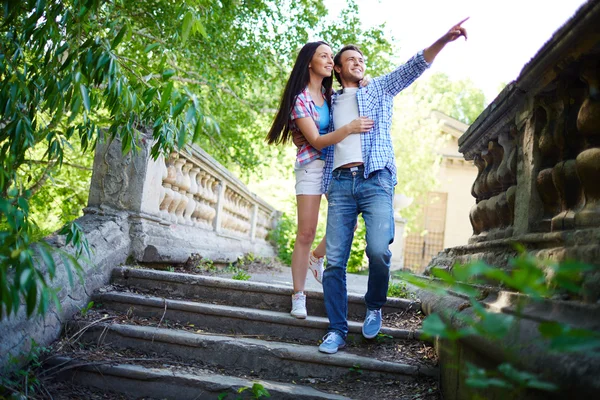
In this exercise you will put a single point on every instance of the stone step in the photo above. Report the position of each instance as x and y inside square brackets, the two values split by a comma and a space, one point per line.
[239, 293]
[271, 360]
[172, 381]
[227, 319]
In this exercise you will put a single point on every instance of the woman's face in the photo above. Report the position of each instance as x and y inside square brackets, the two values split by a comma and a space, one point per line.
[322, 62]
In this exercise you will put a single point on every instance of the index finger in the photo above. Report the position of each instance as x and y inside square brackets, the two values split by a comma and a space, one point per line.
[461, 22]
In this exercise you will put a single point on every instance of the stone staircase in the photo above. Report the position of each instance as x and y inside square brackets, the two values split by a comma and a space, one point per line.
[156, 334]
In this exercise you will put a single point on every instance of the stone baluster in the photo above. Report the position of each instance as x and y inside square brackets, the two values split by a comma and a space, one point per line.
[497, 152]
[163, 190]
[549, 156]
[568, 187]
[182, 186]
[484, 190]
[193, 189]
[476, 188]
[507, 174]
[168, 183]
[588, 161]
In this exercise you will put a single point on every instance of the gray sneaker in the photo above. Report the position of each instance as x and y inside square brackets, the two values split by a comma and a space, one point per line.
[372, 324]
[332, 342]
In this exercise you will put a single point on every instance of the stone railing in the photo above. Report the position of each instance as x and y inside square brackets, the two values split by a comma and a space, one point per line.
[158, 211]
[537, 149]
[183, 204]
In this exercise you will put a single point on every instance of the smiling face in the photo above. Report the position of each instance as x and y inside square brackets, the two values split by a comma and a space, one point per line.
[321, 63]
[351, 68]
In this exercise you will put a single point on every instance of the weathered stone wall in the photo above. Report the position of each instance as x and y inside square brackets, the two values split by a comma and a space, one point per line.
[108, 236]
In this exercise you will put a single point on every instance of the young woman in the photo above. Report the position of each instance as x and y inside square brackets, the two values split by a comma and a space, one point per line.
[304, 109]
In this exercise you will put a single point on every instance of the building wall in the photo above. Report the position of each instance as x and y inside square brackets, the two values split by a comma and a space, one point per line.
[456, 178]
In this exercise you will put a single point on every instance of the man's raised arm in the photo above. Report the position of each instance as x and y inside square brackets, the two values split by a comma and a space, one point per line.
[454, 33]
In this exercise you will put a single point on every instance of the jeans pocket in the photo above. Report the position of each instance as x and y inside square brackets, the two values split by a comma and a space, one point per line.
[384, 177]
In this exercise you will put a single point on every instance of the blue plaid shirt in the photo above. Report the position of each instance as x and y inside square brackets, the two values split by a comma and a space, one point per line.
[376, 101]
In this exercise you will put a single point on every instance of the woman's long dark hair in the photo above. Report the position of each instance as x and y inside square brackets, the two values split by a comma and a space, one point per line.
[299, 79]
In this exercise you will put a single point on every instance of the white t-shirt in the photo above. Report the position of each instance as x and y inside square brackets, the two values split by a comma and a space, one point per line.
[345, 111]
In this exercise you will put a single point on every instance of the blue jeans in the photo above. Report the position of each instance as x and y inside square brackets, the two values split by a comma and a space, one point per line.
[350, 194]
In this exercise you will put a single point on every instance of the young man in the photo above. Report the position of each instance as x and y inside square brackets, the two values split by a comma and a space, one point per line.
[359, 177]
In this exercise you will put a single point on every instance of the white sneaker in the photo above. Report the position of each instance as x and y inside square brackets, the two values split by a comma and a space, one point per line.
[316, 267]
[299, 305]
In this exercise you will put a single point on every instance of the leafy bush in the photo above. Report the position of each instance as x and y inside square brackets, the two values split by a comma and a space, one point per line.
[399, 289]
[284, 237]
[538, 279]
[25, 382]
[241, 275]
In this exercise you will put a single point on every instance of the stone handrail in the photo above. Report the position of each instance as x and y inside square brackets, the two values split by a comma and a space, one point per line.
[185, 203]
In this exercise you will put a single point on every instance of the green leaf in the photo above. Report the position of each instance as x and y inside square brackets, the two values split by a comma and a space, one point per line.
[119, 36]
[31, 299]
[168, 73]
[85, 96]
[179, 107]
[181, 137]
[186, 26]
[166, 96]
[25, 275]
[40, 5]
[434, 326]
[199, 27]
[190, 114]
[198, 129]
[151, 47]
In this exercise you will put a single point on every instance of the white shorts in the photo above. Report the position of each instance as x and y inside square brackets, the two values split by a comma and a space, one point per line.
[309, 177]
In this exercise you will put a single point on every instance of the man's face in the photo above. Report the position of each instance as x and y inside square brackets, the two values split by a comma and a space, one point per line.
[352, 67]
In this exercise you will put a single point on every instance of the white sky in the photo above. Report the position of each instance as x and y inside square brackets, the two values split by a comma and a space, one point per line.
[503, 34]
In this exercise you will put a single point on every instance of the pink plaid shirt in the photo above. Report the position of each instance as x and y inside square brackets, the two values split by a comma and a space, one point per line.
[304, 106]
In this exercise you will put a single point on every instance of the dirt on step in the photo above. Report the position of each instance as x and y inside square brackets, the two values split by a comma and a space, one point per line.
[352, 385]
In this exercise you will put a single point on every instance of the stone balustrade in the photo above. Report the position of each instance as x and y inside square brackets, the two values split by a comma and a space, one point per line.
[537, 150]
[558, 131]
[184, 203]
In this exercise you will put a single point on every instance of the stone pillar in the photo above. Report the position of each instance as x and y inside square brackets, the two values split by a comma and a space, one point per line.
[220, 203]
[397, 247]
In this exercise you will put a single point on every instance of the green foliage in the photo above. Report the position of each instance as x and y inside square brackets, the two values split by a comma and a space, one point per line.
[241, 275]
[87, 308]
[71, 70]
[538, 279]
[382, 337]
[284, 237]
[206, 265]
[357, 260]
[400, 290]
[24, 382]
[356, 369]
[257, 391]
[505, 377]
[195, 70]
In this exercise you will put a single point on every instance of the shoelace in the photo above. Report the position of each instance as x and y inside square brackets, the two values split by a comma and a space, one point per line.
[372, 316]
[330, 337]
